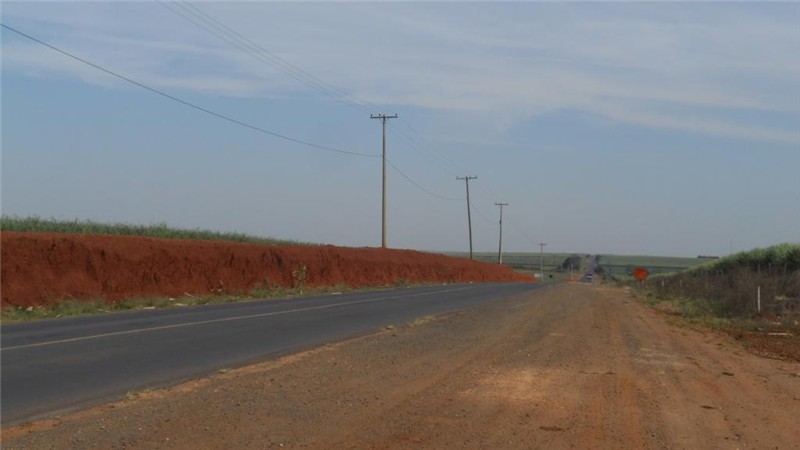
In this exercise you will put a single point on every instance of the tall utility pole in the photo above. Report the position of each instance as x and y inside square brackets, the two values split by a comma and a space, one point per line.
[469, 217]
[500, 248]
[383, 118]
[541, 259]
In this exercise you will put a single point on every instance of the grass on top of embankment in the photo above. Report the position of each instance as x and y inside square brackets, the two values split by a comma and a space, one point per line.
[753, 296]
[155, 230]
[785, 257]
[757, 283]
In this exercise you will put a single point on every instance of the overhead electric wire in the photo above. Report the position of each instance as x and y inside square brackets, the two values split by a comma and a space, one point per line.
[418, 185]
[522, 233]
[232, 37]
[186, 103]
[415, 146]
[258, 128]
[235, 39]
[242, 43]
[351, 99]
[480, 214]
[219, 115]
[425, 143]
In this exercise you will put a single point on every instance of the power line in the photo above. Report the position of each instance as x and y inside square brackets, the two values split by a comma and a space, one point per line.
[421, 149]
[186, 103]
[251, 48]
[320, 86]
[235, 39]
[219, 115]
[425, 142]
[325, 88]
[359, 103]
[420, 187]
[246, 45]
[481, 214]
[522, 233]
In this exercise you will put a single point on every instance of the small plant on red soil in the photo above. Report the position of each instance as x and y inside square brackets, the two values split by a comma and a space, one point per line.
[299, 276]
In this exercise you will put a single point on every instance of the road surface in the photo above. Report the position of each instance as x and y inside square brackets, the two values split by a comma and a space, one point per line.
[574, 366]
[53, 366]
[591, 265]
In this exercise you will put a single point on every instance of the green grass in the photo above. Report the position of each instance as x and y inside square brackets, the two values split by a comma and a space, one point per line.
[729, 287]
[619, 265]
[156, 230]
[698, 314]
[615, 265]
[529, 261]
[782, 256]
[650, 261]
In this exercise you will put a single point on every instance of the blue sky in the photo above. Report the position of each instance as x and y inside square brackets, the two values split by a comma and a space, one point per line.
[659, 128]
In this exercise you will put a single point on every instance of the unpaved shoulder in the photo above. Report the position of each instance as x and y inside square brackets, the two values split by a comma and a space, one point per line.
[568, 367]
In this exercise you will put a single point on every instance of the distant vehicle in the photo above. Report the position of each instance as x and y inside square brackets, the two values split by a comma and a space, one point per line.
[589, 277]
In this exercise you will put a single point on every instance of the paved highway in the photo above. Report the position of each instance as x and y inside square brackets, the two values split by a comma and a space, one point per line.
[591, 265]
[53, 366]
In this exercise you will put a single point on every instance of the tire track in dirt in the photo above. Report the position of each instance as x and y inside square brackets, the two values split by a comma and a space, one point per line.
[566, 367]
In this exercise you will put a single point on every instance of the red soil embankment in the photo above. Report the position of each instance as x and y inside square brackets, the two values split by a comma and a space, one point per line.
[40, 268]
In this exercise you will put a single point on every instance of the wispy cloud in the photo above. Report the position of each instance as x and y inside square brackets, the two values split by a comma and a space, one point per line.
[507, 63]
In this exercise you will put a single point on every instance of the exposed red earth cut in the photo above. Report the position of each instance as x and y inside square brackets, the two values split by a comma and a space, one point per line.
[42, 268]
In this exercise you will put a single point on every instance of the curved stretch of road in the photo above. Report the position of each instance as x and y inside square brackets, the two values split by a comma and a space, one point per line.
[52, 366]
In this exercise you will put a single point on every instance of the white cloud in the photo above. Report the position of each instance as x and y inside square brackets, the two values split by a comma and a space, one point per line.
[506, 64]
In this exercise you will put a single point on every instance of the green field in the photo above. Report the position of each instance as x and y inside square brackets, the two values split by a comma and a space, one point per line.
[763, 282]
[528, 263]
[782, 256]
[157, 230]
[619, 266]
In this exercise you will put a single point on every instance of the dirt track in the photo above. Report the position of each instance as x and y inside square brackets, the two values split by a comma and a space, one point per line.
[568, 367]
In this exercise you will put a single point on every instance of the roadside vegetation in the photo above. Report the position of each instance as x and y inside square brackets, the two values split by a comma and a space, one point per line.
[557, 266]
[729, 287]
[73, 307]
[620, 267]
[753, 295]
[155, 230]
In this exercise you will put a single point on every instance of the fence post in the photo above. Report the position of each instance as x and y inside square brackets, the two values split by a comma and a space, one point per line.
[759, 299]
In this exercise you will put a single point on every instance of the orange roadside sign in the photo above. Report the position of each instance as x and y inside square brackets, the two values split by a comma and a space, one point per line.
[640, 273]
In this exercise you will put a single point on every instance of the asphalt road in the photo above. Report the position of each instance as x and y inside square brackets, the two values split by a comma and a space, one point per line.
[588, 276]
[53, 366]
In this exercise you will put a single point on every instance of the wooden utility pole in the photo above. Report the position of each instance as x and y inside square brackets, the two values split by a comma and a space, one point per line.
[469, 217]
[383, 118]
[541, 260]
[500, 248]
